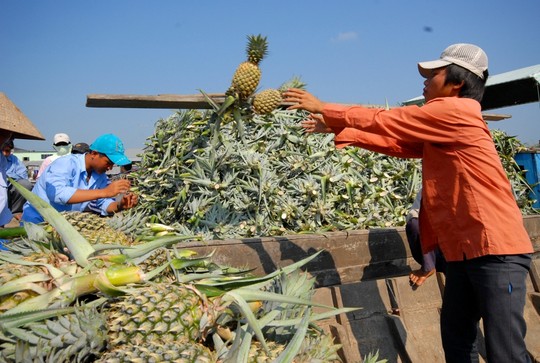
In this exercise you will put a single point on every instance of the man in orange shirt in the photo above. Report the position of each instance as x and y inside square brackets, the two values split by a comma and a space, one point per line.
[468, 208]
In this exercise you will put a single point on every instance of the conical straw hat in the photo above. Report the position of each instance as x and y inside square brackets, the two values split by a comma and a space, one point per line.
[12, 119]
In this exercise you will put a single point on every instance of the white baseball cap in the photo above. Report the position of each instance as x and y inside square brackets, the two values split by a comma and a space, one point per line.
[58, 138]
[468, 56]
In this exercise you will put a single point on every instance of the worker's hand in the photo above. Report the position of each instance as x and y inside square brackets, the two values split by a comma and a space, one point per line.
[129, 200]
[302, 100]
[315, 123]
[116, 187]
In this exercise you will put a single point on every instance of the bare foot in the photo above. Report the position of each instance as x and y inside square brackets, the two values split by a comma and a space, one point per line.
[418, 277]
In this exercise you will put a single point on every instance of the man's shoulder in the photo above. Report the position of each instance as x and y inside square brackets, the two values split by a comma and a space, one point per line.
[65, 162]
[450, 101]
[457, 106]
[65, 158]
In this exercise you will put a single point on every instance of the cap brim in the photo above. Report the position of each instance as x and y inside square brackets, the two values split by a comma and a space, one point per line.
[119, 159]
[425, 67]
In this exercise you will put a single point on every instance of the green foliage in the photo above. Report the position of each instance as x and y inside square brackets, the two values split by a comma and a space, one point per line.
[247, 175]
[507, 147]
[237, 175]
[374, 358]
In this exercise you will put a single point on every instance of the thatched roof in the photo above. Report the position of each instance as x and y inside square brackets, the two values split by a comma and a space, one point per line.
[12, 119]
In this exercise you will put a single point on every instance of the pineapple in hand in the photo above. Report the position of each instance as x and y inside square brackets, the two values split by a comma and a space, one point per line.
[248, 74]
[266, 101]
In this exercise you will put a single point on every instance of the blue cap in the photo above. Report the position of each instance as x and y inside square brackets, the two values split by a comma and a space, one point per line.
[111, 146]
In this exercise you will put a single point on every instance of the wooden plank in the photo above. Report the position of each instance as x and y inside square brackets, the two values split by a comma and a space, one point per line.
[495, 116]
[166, 101]
[349, 256]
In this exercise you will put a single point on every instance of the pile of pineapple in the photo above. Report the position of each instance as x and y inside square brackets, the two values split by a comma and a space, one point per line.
[141, 297]
[246, 168]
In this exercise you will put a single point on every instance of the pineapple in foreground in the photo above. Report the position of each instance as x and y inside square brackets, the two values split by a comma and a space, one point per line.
[266, 101]
[160, 311]
[316, 347]
[178, 351]
[70, 338]
[97, 229]
[248, 74]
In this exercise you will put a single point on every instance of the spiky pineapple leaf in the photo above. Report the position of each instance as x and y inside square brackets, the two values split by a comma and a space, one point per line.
[25, 283]
[294, 345]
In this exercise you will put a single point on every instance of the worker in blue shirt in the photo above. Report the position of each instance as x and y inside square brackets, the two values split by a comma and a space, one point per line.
[16, 170]
[78, 182]
[5, 213]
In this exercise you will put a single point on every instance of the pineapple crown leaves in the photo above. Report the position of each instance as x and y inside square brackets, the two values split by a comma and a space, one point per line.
[295, 344]
[373, 357]
[257, 48]
[276, 136]
[165, 241]
[239, 350]
[294, 82]
[73, 333]
[241, 303]
[14, 320]
[230, 99]
[260, 282]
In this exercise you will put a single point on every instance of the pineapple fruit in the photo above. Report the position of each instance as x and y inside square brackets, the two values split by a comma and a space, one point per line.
[248, 74]
[70, 338]
[97, 229]
[316, 347]
[178, 351]
[266, 101]
[161, 311]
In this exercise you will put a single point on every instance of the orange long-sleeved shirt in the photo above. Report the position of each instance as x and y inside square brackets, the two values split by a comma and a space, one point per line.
[468, 207]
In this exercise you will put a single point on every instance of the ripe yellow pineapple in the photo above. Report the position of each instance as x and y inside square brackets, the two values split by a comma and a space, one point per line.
[266, 101]
[248, 74]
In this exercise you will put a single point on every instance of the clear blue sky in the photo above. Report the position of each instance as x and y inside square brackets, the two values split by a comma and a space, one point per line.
[54, 53]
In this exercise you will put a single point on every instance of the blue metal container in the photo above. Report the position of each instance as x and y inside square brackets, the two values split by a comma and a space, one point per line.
[530, 162]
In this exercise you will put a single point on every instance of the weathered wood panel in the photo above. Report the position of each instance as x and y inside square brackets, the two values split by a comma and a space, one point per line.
[369, 269]
[166, 101]
[350, 256]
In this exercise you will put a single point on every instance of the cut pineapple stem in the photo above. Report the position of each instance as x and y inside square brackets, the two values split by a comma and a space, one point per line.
[70, 290]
